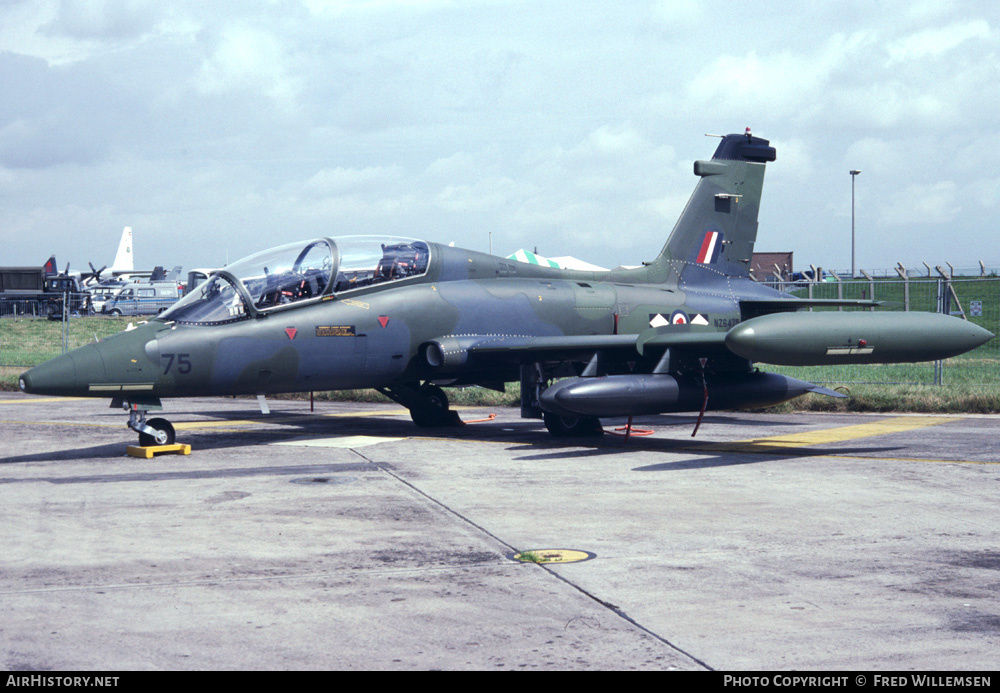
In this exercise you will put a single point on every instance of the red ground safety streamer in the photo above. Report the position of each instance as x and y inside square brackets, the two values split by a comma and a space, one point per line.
[631, 431]
[704, 404]
[488, 418]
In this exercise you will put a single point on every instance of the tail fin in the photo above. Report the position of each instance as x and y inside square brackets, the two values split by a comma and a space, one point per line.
[718, 227]
[123, 258]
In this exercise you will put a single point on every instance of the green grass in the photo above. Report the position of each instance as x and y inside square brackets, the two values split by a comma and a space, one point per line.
[31, 341]
[530, 557]
[926, 399]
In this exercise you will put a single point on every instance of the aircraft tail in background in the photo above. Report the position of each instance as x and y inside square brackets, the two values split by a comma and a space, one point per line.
[123, 258]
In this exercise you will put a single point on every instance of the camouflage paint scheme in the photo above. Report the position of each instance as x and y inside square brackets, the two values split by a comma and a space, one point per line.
[679, 333]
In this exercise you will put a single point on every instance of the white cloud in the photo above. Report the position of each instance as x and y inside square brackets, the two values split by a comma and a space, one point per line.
[785, 82]
[667, 208]
[872, 152]
[483, 195]
[569, 125]
[338, 180]
[796, 158]
[985, 193]
[931, 203]
[936, 42]
[678, 14]
[248, 59]
[608, 141]
[337, 8]
[104, 19]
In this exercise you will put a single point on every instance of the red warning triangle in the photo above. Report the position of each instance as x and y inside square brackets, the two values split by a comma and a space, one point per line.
[290, 331]
[383, 320]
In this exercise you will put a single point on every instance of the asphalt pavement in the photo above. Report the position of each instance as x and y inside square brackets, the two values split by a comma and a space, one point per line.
[348, 538]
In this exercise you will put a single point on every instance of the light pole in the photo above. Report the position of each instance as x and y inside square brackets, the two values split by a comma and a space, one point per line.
[854, 173]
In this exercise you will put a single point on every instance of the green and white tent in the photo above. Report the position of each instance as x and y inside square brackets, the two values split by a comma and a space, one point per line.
[530, 258]
[566, 262]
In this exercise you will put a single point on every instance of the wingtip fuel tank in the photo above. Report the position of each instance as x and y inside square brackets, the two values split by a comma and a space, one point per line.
[828, 338]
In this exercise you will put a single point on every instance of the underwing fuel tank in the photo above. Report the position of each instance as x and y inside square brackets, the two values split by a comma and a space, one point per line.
[828, 338]
[634, 395]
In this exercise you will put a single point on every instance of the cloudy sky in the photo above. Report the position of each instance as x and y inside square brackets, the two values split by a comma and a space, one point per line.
[218, 129]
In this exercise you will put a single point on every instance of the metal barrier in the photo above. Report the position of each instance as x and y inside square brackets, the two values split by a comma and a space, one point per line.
[31, 333]
[975, 299]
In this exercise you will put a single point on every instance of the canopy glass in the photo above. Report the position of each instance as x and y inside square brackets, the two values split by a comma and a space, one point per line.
[297, 273]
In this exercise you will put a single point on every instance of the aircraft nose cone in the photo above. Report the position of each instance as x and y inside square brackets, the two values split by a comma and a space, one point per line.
[50, 377]
[67, 375]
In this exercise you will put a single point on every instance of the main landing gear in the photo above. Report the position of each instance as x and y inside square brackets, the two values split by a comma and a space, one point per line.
[535, 377]
[573, 426]
[428, 404]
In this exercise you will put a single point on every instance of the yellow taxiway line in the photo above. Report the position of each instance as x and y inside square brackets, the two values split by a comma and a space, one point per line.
[835, 435]
[39, 400]
[787, 444]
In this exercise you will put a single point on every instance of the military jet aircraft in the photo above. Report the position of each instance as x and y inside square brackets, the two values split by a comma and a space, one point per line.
[407, 317]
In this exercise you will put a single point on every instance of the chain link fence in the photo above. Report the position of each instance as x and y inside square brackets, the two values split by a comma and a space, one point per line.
[974, 299]
[33, 331]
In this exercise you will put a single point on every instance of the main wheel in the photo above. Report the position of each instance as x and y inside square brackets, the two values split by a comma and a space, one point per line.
[164, 433]
[573, 426]
[434, 410]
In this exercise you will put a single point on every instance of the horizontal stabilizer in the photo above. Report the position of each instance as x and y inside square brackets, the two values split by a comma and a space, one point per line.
[819, 390]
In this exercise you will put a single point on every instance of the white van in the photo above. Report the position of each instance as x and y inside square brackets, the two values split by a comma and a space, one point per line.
[142, 299]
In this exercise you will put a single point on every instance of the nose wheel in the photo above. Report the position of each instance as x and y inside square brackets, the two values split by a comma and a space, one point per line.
[151, 432]
[156, 432]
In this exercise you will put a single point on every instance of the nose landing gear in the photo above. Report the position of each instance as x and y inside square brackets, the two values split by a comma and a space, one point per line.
[155, 432]
[151, 432]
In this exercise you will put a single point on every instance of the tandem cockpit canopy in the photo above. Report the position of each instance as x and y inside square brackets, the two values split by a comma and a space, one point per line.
[297, 273]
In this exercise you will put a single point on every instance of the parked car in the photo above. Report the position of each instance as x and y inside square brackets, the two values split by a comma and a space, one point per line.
[100, 294]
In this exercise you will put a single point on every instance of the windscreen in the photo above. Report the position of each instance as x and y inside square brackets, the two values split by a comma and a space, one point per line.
[287, 274]
[215, 301]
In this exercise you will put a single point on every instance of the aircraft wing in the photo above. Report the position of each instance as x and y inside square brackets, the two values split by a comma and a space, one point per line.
[753, 308]
[524, 348]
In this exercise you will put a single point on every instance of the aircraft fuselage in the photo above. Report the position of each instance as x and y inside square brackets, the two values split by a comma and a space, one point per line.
[372, 337]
